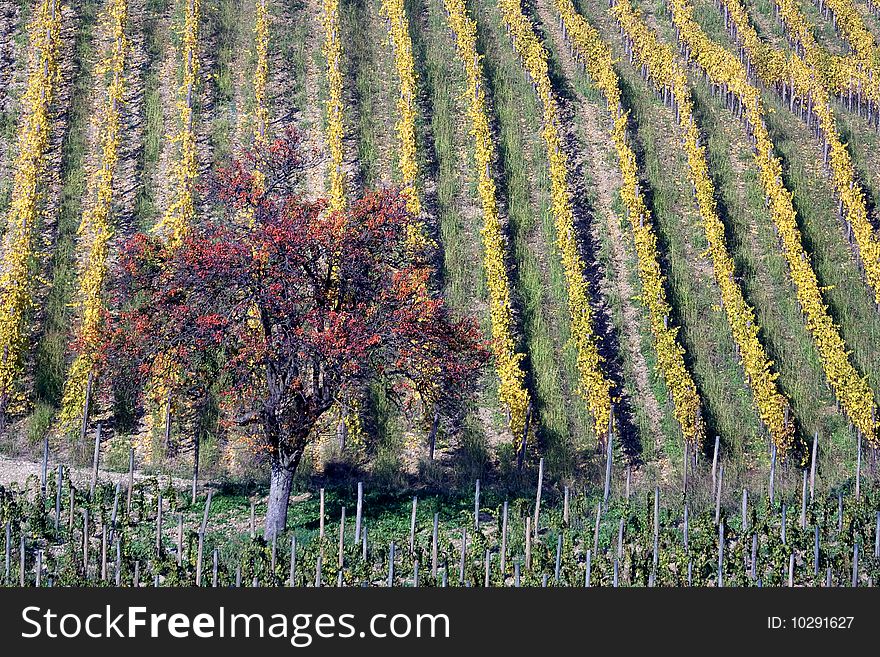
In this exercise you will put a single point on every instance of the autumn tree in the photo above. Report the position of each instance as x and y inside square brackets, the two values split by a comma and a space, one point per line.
[294, 308]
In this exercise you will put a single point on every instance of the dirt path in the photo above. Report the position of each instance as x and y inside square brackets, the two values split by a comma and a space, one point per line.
[17, 471]
[606, 181]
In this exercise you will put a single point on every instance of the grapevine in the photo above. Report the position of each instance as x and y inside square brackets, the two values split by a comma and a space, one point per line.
[508, 362]
[180, 214]
[668, 75]
[97, 225]
[15, 281]
[333, 54]
[594, 385]
[597, 57]
[793, 76]
[723, 68]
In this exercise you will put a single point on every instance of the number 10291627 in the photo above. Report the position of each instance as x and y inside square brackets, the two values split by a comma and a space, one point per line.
[810, 622]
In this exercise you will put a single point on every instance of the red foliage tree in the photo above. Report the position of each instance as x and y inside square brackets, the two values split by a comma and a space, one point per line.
[295, 307]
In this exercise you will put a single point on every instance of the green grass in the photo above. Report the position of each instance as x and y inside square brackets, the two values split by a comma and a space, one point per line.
[538, 278]
[145, 210]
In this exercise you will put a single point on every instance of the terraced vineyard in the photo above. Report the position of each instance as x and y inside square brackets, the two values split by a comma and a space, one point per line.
[663, 216]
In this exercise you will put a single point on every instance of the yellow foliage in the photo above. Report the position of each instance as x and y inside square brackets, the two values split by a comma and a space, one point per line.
[96, 227]
[853, 392]
[597, 57]
[508, 361]
[595, 387]
[33, 138]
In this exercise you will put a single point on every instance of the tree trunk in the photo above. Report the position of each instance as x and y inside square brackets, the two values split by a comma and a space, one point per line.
[279, 497]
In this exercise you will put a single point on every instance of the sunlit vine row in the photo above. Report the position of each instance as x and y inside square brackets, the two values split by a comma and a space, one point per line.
[97, 224]
[669, 77]
[178, 217]
[723, 68]
[845, 76]
[791, 75]
[398, 28]
[594, 385]
[597, 57]
[16, 282]
[852, 28]
[508, 362]
[332, 49]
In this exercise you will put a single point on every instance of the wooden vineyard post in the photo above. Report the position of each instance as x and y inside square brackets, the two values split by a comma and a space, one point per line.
[686, 527]
[783, 527]
[391, 564]
[463, 555]
[321, 513]
[95, 459]
[318, 570]
[558, 559]
[538, 495]
[130, 482]
[804, 502]
[38, 569]
[115, 511]
[587, 568]
[503, 557]
[85, 419]
[359, 512]
[292, 575]
[516, 577]
[104, 553]
[117, 570]
[434, 547]
[656, 558]
[744, 525]
[772, 473]
[136, 580]
[791, 570]
[195, 470]
[487, 561]
[204, 526]
[58, 482]
[412, 526]
[876, 537]
[44, 472]
[199, 558]
[214, 568]
[416, 574]
[754, 565]
[620, 539]
[341, 539]
[528, 538]
[253, 519]
[816, 551]
[159, 524]
[855, 568]
[720, 554]
[718, 488]
[715, 463]
[684, 484]
[179, 539]
[859, 467]
[813, 466]
[21, 561]
[476, 506]
[72, 502]
[85, 513]
[608, 459]
[565, 504]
